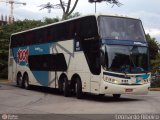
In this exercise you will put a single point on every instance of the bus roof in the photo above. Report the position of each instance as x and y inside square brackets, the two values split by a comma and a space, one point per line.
[96, 15]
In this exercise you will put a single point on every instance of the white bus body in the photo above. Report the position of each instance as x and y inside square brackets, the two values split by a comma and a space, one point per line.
[61, 56]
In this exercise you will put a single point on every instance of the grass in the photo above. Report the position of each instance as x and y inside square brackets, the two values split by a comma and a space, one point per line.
[4, 81]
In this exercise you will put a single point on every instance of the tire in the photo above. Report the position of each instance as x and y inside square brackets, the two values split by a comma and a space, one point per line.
[116, 96]
[65, 87]
[78, 88]
[26, 82]
[19, 80]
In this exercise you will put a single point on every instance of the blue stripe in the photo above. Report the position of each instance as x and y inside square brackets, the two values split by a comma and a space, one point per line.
[116, 75]
[40, 49]
[42, 77]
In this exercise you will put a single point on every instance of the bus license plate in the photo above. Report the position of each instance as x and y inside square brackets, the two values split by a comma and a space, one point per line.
[129, 90]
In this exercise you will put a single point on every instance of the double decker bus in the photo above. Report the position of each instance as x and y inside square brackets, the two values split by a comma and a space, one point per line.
[100, 54]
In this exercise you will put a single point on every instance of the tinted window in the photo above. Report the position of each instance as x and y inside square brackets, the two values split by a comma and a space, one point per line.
[130, 59]
[84, 27]
[48, 62]
[121, 28]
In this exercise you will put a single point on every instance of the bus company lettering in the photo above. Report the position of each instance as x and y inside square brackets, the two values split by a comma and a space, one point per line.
[22, 56]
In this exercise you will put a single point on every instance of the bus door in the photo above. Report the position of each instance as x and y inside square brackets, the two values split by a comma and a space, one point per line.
[57, 65]
[95, 83]
[52, 79]
[95, 69]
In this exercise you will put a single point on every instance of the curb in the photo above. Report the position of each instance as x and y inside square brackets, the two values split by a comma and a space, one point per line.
[154, 89]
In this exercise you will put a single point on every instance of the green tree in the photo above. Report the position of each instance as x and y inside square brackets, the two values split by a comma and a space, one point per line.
[68, 9]
[50, 20]
[156, 63]
[153, 46]
[5, 33]
[76, 14]
[154, 53]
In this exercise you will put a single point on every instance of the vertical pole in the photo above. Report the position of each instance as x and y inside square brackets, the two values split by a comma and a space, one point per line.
[11, 11]
[95, 6]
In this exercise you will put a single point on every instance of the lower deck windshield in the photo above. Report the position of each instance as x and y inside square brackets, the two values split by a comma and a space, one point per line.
[126, 59]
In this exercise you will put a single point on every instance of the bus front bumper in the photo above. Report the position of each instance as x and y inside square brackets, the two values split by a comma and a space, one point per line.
[109, 88]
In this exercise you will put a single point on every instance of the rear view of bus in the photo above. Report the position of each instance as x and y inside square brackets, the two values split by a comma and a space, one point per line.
[124, 56]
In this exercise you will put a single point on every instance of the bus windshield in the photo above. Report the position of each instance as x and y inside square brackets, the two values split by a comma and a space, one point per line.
[119, 28]
[126, 59]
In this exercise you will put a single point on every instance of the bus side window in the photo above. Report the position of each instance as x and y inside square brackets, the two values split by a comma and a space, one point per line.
[48, 62]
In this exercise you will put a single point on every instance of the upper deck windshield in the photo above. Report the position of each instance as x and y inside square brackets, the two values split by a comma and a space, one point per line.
[121, 28]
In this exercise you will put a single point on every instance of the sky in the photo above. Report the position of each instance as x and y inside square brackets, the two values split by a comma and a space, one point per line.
[146, 10]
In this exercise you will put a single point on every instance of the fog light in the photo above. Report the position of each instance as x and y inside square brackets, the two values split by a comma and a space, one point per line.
[106, 78]
[113, 80]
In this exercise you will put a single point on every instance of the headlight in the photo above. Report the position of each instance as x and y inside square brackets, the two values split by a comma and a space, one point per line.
[111, 80]
[116, 82]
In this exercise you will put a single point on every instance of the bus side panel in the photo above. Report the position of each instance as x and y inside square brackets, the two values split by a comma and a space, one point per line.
[76, 64]
[65, 48]
[82, 69]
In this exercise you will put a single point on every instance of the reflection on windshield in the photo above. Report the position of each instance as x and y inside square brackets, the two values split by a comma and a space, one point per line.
[128, 59]
[121, 28]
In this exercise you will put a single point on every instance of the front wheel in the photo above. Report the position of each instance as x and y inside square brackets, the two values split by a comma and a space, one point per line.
[116, 96]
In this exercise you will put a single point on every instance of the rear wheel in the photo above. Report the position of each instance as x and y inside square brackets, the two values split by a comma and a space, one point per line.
[26, 82]
[78, 88]
[19, 80]
[64, 86]
[116, 96]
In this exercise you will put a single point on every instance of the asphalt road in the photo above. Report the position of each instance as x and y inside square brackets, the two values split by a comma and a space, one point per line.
[14, 100]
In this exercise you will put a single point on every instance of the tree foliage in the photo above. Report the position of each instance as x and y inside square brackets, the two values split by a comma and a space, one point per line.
[156, 63]
[154, 53]
[153, 46]
[5, 33]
